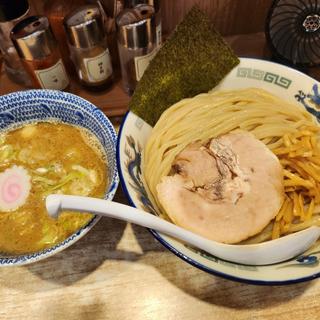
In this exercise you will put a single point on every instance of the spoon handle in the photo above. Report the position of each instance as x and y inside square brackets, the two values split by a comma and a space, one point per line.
[57, 202]
[257, 254]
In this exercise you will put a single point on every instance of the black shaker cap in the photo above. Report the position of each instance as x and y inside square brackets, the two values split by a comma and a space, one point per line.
[12, 9]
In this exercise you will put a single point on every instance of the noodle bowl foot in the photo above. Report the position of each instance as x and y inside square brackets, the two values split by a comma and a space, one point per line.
[227, 189]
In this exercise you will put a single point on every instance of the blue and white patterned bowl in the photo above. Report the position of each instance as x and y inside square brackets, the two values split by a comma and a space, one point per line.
[23, 107]
[284, 82]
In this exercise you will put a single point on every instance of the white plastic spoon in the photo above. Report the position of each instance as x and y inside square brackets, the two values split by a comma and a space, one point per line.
[253, 254]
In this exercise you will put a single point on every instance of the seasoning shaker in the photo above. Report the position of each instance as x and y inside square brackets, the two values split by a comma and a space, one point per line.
[11, 12]
[136, 33]
[157, 8]
[39, 53]
[56, 11]
[88, 47]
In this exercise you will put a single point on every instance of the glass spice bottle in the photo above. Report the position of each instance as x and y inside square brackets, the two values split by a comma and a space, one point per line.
[88, 47]
[157, 9]
[56, 11]
[39, 53]
[11, 12]
[136, 32]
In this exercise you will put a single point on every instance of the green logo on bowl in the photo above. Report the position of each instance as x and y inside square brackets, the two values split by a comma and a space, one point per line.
[264, 76]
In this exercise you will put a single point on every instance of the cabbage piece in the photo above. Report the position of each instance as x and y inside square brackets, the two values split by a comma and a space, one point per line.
[32, 155]
[44, 180]
[28, 132]
[72, 154]
[80, 187]
[80, 181]
[71, 176]
[25, 156]
[6, 153]
[56, 168]
[90, 173]
[50, 234]
[70, 220]
[85, 185]
[81, 169]
[41, 170]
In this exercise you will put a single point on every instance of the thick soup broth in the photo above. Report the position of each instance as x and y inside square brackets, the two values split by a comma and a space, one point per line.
[56, 158]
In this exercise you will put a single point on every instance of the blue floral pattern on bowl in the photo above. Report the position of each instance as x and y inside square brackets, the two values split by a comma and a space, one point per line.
[133, 164]
[19, 108]
[310, 101]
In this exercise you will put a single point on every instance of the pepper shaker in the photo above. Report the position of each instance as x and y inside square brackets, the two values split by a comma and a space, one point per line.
[88, 47]
[136, 33]
[157, 11]
[39, 53]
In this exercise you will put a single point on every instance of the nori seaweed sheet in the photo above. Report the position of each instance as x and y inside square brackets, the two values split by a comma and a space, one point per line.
[193, 60]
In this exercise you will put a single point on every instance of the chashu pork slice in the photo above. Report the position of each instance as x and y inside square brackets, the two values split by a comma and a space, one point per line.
[226, 190]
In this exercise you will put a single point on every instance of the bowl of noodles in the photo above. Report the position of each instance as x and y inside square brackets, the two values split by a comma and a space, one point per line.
[50, 142]
[275, 105]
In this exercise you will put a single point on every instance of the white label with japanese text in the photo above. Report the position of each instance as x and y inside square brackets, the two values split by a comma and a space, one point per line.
[141, 63]
[54, 77]
[99, 68]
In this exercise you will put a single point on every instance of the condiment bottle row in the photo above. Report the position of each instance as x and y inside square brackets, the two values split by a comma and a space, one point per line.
[138, 28]
[41, 57]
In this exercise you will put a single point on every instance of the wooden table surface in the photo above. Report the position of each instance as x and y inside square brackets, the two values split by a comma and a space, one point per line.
[119, 271]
